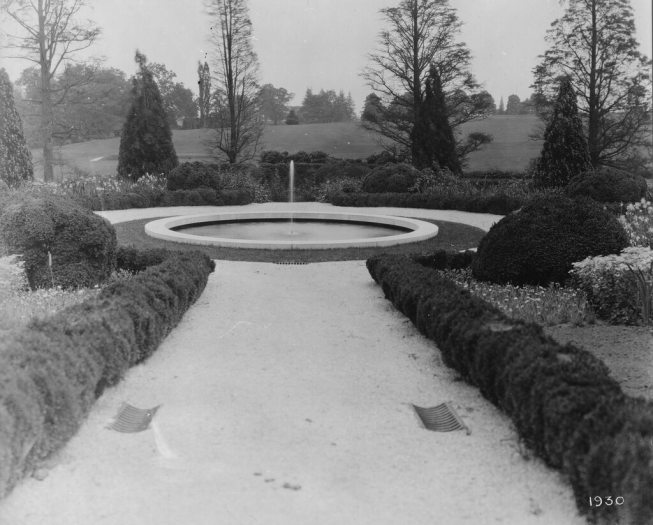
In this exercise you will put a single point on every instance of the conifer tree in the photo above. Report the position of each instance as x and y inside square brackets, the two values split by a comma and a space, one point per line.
[292, 118]
[565, 152]
[146, 140]
[15, 157]
[432, 138]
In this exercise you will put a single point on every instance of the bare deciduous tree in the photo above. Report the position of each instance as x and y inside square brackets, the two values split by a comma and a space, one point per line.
[421, 33]
[593, 44]
[50, 36]
[239, 123]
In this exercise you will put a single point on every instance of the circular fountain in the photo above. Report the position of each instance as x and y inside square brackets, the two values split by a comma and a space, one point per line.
[308, 230]
[291, 229]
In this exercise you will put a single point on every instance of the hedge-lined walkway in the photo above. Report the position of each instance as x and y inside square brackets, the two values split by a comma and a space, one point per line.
[284, 394]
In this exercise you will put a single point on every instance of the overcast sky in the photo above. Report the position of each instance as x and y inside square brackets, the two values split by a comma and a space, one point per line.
[323, 44]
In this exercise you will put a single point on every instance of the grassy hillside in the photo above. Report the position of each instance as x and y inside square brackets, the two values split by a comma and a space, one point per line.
[511, 149]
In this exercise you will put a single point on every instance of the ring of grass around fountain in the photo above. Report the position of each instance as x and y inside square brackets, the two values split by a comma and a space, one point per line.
[451, 236]
[394, 230]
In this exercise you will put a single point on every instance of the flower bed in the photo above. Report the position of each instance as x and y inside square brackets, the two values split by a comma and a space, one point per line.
[562, 400]
[52, 371]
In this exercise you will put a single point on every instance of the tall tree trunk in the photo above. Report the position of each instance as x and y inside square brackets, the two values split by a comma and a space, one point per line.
[47, 114]
[593, 124]
[417, 88]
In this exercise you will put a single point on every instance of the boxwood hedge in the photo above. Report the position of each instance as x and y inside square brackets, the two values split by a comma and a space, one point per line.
[52, 371]
[497, 203]
[562, 400]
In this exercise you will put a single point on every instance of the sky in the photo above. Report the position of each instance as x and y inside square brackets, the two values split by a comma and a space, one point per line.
[323, 44]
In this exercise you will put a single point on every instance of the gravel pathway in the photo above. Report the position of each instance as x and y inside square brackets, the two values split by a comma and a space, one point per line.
[285, 398]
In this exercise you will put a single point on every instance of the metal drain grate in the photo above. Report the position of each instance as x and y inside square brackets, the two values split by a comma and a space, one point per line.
[132, 419]
[290, 262]
[441, 418]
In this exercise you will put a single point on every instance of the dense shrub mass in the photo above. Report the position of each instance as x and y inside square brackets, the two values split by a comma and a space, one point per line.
[390, 178]
[497, 203]
[283, 157]
[562, 400]
[79, 244]
[538, 244]
[444, 260]
[52, 371]
[191, 175]
[608, 185]
[341, 169]
[276, 178]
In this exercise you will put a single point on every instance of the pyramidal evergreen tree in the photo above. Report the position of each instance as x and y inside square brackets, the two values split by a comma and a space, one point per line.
[146, 140]
[565, 152]
[15, 157]
[433, 141]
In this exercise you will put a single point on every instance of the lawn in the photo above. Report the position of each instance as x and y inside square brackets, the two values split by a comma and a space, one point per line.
[511, 149]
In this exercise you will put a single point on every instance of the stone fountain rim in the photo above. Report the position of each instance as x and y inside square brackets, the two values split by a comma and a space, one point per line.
[162, 229]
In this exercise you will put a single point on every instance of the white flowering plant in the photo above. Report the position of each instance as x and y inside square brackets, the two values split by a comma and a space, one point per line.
[638, 223]
[618, 286]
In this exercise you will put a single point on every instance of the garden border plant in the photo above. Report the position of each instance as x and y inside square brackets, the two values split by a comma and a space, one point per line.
[562, 400]
[52, 371]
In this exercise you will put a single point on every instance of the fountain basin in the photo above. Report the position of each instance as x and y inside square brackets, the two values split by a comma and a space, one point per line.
[408, 230]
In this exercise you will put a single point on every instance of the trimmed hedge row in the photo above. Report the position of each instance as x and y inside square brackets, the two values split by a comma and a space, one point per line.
[562, 400]
[156, 199]
[52, 371]
[499, 204]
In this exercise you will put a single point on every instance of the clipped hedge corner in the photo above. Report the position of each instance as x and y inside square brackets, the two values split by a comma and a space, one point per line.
[562, 400]
[52, 371]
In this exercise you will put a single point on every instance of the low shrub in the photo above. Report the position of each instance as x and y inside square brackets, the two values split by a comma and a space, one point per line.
[556, 395]
[445, 260]
[191, 175]
[608, 185]
[283, 157]
[387, 157]
[52, 371]
[619, 287]
[61, 243]
[329, 190]
[538, 244]
[447, 199]
[341, 169]
[390, 178]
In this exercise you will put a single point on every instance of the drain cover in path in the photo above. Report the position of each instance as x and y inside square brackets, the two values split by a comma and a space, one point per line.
[441, 418]
[132, 419]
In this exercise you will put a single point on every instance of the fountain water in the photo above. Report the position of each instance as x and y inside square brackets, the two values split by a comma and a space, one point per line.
[291, 191]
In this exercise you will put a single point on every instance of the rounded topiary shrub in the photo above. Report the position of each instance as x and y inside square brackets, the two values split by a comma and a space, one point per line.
[538, 244]
[191, 175]
[608, 185]
[391, 178]
[80, 244]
